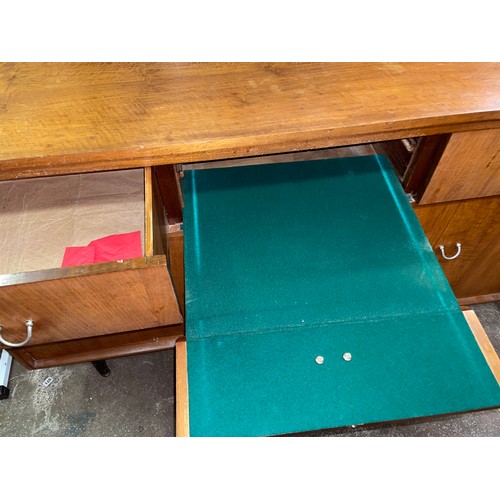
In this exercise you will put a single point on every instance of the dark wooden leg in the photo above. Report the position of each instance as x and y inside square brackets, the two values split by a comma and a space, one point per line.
[102, 367]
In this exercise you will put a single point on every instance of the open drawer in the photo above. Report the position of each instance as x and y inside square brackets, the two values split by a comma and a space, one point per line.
[314, 300]
[41, 217]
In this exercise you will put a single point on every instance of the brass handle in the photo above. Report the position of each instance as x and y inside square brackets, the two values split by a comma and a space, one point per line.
[459, 249]
[29, 333]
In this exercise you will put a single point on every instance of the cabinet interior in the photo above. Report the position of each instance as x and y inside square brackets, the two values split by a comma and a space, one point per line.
[40, 217]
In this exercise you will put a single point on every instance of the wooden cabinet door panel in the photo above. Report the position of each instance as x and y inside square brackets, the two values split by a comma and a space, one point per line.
[88, 301]
[469, 168]
[475, 224]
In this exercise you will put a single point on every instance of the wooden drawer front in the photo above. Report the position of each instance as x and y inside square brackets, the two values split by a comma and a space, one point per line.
[88, 301]
[469, 168]
[475, 224]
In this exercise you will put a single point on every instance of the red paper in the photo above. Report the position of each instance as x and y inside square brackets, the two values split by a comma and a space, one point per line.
[117, 247]
[107, 249]
[78, 256]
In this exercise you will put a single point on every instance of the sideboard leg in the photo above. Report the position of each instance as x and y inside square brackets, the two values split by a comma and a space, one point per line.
[102, 367]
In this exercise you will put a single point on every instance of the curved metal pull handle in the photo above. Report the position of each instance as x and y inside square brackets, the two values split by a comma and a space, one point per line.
[459, 249]
[29, 333]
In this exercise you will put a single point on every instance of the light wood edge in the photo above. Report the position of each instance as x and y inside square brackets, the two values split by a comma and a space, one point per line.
[85, 270]
[244, 146]
[181, 390]
[178, 176]
[484, 343]
[148, 212]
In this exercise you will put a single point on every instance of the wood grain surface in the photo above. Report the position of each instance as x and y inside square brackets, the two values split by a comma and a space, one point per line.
[479, 299]
[171, 192]
[89, 305]
[423, 163]
[468, 168]
[160, 219]
[69, 117]
[475, 224]
[176, 264]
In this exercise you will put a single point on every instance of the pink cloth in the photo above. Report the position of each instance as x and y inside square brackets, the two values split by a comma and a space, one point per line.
[107, 249]
[78, 256]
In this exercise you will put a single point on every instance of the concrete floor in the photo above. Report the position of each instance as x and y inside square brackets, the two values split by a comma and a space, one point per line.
[138, 399]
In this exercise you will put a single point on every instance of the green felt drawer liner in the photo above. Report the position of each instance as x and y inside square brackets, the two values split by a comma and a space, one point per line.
[287, 262]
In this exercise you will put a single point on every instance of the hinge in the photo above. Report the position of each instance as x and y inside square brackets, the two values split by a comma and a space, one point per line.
[409, 144]
[411, 197]
[179, 168]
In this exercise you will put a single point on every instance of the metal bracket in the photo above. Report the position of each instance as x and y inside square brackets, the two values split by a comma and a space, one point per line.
[179, 168]
[411, 197]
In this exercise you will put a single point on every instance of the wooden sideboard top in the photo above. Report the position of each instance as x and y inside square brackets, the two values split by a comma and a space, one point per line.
[58, 118]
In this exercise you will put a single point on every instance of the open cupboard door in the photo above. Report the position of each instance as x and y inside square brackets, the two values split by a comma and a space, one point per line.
[314, 300]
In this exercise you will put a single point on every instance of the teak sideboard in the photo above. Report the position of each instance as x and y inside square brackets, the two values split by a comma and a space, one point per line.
[438, 123]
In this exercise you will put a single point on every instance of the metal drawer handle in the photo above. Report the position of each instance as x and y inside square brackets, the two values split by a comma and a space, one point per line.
[459, 249]
[29, 333]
